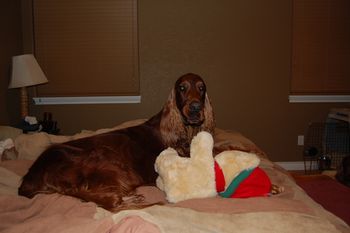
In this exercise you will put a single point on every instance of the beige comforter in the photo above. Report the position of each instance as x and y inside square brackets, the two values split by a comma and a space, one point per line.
[291, 211]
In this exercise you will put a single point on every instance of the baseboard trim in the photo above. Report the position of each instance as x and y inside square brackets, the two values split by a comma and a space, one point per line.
[87, 100]
[319, 98]
[292, 165]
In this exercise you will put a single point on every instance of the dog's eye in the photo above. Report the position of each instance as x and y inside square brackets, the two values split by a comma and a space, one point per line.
[201, 88]
[182, 88]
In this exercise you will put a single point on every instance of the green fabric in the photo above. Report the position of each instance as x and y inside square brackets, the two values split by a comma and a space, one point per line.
[235, 183]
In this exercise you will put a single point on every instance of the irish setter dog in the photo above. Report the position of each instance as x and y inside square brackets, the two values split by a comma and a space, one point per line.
[107, 168]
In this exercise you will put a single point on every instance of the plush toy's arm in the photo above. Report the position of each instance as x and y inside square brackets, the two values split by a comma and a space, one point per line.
[159, 183]
[164, 160]
[163, 164]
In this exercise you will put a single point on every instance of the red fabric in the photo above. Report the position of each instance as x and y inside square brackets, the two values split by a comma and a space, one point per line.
[256, 184]
[219, 178]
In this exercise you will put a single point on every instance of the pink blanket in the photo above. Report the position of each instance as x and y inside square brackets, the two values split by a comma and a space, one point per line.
[291, 211]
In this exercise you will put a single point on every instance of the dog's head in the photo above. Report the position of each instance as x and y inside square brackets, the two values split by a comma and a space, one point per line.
[190, 95]
[187, 111]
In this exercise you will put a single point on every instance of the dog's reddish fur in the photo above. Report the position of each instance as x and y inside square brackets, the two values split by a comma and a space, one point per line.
[107, 168]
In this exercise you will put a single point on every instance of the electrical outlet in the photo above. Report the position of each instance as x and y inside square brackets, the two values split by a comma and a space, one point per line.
[300, 140]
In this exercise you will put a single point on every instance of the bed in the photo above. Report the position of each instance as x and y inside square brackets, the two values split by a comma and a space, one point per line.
[291, 211]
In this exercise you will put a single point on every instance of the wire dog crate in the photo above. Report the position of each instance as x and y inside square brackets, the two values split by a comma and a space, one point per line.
[326, 144]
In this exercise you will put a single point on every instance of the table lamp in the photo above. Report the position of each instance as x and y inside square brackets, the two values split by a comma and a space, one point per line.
[25, 72]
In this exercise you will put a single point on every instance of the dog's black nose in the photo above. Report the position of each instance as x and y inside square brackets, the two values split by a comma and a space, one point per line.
[195, 106]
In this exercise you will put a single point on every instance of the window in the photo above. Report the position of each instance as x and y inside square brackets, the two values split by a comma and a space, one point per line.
[321, 49]
[86, 48]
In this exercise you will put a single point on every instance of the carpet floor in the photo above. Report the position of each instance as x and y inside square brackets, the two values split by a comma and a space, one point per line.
[332, 195]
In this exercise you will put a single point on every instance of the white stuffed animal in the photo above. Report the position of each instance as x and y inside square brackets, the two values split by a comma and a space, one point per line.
[184, 178]
[196, 177]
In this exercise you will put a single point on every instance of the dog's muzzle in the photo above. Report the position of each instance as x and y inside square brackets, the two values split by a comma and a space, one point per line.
[194, 114]
[195, 107]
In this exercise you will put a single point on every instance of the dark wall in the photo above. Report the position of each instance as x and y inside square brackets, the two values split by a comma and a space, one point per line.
[10, 44]
[243, 51]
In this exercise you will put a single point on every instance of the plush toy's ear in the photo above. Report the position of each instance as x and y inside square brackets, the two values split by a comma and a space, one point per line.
[165, 159]
[233, 162]
[202, 146]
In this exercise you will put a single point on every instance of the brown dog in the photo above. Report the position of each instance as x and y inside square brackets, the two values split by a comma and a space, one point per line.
[107, 168]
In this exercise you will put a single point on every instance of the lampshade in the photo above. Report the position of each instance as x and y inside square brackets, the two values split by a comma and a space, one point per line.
[26, 72]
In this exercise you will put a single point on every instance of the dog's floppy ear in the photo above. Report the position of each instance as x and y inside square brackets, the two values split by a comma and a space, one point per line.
[209, 122]
[171, 125]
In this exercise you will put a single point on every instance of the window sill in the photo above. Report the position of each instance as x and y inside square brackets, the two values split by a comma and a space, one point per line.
[319, 98]
[87, 100]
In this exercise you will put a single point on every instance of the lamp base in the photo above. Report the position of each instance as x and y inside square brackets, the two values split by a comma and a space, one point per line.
[24, 102]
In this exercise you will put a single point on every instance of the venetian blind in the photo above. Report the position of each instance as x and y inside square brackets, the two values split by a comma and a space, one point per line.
[87, 47]
[321, 47]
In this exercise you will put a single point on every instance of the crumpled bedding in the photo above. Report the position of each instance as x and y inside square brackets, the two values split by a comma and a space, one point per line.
[290, 211]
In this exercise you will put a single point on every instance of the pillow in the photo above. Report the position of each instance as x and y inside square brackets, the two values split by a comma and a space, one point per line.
[9, 132]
